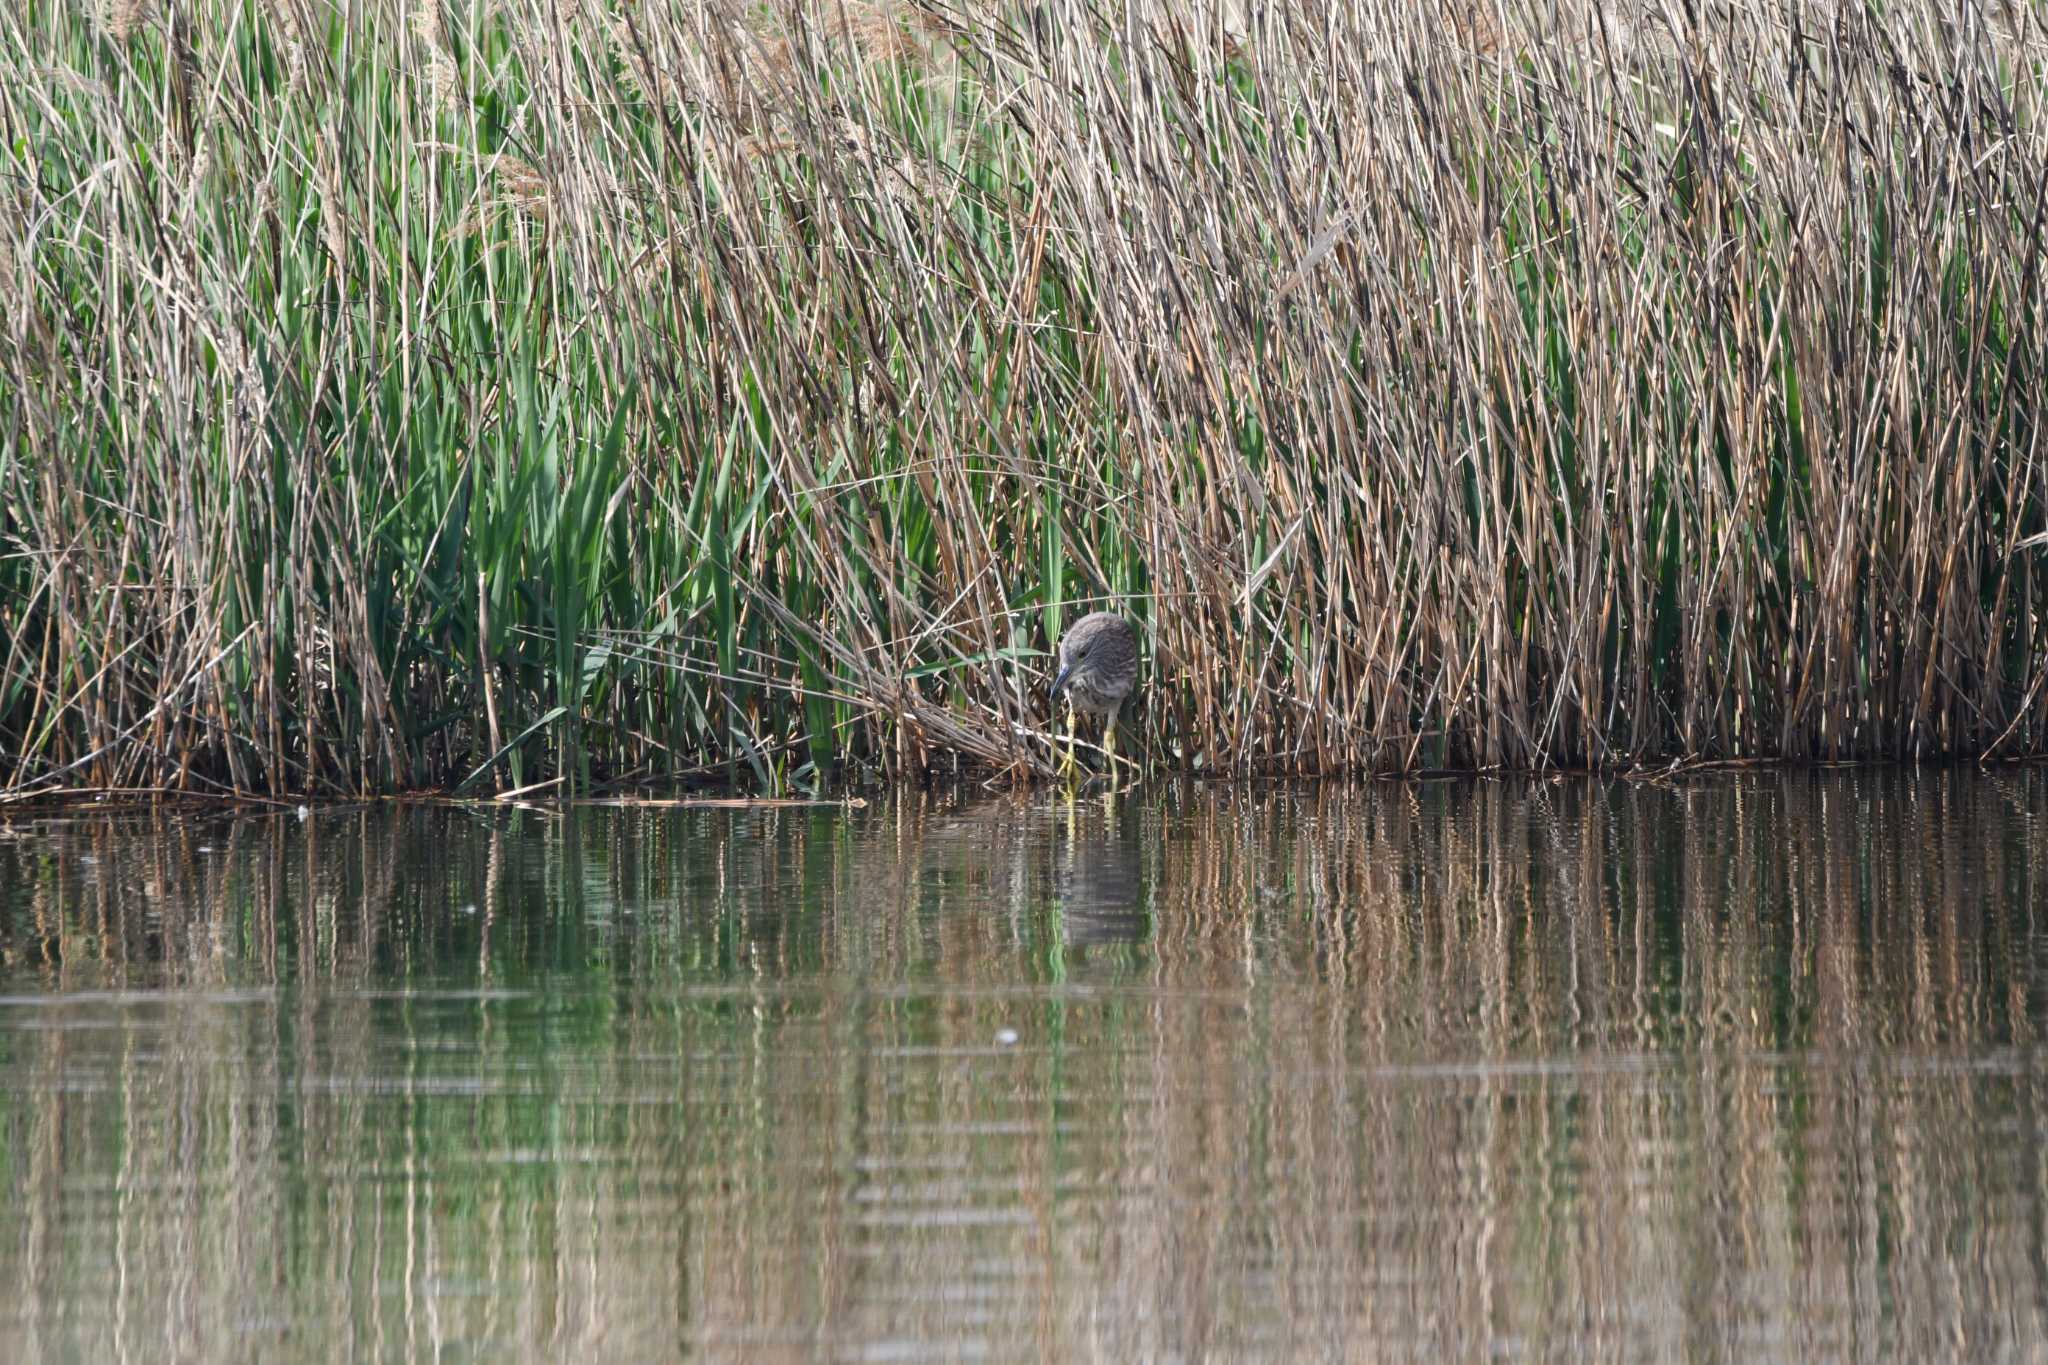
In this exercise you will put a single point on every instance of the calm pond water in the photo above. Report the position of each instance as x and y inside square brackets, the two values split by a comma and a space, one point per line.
[1735, 1068]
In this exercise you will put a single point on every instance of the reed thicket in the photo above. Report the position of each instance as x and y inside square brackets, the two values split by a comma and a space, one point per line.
[511, 390]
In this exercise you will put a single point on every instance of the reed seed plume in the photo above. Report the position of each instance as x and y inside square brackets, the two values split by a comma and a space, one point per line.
[524, 186]
[1446, 385]
[119, 19]
[443, 79]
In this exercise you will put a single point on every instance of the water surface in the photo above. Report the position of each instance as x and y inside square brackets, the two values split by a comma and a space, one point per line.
[1735, 1068]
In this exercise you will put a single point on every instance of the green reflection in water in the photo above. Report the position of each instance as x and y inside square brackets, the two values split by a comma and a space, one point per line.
[1738, 1067]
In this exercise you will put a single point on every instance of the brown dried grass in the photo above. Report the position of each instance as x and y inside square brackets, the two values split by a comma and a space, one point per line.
[1490, 386]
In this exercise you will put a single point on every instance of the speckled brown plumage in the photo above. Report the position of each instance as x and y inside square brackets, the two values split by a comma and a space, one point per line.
[1098, 665]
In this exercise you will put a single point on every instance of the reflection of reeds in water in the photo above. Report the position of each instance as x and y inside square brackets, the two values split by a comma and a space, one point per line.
[1738, 1068]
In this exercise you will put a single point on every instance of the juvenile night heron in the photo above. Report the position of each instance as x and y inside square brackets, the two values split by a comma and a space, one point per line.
[1098, 668]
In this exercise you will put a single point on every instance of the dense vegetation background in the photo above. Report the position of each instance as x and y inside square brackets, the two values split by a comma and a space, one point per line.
[511, 390]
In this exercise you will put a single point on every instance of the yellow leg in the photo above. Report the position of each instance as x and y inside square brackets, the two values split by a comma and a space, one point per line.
[1067, 754]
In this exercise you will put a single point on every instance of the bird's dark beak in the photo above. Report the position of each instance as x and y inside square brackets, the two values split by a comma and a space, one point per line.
[1066, 671]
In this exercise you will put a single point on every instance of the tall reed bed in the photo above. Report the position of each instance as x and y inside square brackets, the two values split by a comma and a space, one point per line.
[513, 391]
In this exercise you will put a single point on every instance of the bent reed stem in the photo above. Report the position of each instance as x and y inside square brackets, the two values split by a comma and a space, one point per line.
[667, 386]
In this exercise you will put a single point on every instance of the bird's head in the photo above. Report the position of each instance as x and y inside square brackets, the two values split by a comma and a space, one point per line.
[1060, 679]
[1100, 651]
[1073, 654]
[1070, 662]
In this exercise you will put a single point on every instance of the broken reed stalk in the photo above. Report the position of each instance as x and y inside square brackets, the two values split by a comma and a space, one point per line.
[573, 390]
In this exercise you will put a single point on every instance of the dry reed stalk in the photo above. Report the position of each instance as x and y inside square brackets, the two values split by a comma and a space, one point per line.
[1664, 388]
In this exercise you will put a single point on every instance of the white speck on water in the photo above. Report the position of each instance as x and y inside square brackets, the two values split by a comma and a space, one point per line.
[205, 848]
[1007, 1037]
[469, 909]
[303, 813]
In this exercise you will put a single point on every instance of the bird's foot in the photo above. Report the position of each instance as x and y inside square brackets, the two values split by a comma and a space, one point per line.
[1070, 767]
[1133, 768]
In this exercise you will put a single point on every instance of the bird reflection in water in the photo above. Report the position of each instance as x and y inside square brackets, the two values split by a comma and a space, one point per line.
[1084, 862]
[1099, 877]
